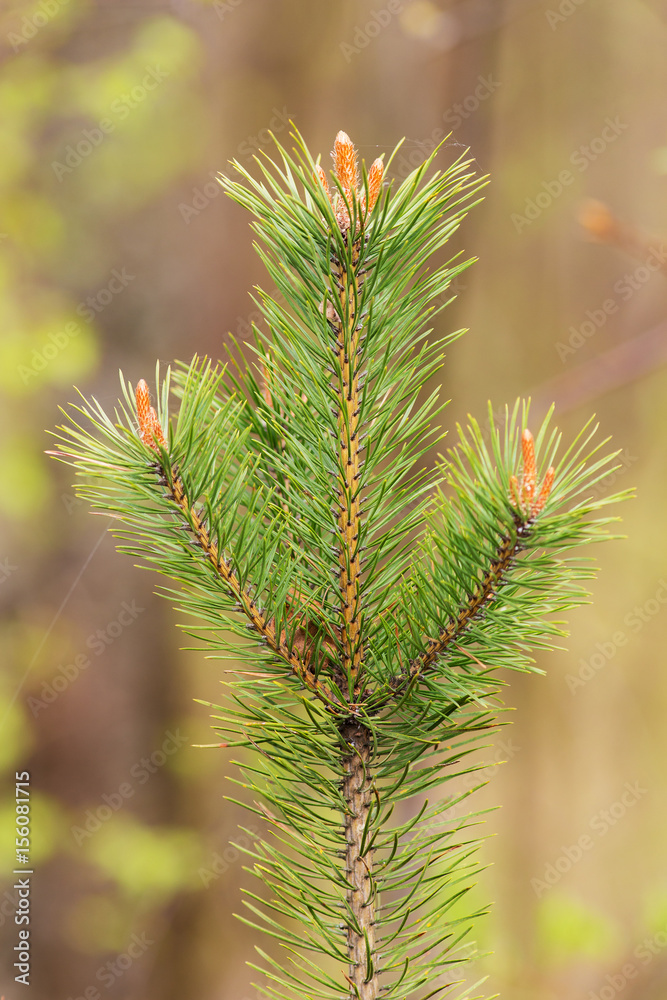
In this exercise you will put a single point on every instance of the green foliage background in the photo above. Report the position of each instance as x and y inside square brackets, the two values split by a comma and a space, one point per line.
[142, 201]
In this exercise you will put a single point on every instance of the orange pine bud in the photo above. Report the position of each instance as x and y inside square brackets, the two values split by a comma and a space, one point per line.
[345, 163]
[545, 491]
[156, 435]
[349, 200]
[150, 431]
[143, 407]
[322, 178]
[375, 175]
[529, 468]
[522, 495]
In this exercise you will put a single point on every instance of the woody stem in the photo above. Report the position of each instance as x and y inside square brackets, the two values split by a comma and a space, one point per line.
[361, 892]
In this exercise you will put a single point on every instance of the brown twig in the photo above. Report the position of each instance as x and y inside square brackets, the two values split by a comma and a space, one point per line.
[361, 891]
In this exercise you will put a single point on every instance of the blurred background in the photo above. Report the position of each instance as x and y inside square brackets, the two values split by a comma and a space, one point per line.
[117, 249]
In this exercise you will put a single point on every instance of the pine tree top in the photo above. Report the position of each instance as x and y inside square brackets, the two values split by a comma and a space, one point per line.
[373, 599]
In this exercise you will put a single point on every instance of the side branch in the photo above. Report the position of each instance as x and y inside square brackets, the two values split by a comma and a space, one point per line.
[224, 570]
[361, 892]
[528, 502]
[481, 596]
[510, 545]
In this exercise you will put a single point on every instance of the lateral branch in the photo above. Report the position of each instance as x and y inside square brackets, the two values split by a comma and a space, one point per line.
[152, 435]
[263, 626]
[511, 543]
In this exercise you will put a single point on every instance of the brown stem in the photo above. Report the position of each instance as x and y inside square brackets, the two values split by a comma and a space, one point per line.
[361, 893]
[481, 596]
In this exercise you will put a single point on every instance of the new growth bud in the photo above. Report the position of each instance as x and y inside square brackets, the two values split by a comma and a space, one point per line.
[345, 164]
[522, 495]
[150, 431]
[322, 178]
[345, 171]
[375, 175]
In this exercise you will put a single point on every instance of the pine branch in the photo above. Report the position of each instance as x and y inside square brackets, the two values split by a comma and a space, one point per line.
[528, 505]
[286, 503]
[297, 654]
[510, 546]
